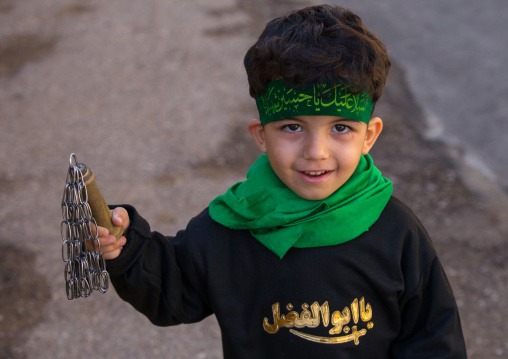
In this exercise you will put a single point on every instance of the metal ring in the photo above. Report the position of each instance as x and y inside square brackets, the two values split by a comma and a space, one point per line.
[101, 262]
[96, 281]
[84, 287]
[69, 289]
[69, 270]
[66, 251]
[104, 282]
[71, 158]
[82, 190]
[67, 234]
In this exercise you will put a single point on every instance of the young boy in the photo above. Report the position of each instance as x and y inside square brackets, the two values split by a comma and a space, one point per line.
[311, 256]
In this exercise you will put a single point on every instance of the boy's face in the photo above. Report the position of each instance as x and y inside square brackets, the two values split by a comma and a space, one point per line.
[315, 155]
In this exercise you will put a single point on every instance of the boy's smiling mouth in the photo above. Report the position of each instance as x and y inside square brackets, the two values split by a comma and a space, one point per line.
[315, 177]
[314, 173]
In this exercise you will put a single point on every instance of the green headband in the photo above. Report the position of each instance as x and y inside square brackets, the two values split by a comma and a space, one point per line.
[280, 102]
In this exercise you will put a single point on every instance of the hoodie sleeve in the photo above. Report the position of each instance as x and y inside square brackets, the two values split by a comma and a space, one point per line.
[156, 275]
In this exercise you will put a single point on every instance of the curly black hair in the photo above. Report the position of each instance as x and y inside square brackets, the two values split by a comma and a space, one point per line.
[318, 44]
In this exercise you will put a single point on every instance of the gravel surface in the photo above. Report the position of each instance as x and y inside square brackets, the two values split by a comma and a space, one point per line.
[152, 96]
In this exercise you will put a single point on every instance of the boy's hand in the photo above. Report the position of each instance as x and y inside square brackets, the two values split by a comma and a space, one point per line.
[110, 246]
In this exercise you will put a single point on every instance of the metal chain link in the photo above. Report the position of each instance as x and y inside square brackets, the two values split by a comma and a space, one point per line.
[85, 268]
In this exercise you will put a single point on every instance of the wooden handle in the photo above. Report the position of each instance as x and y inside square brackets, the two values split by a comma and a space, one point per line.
[99, 207]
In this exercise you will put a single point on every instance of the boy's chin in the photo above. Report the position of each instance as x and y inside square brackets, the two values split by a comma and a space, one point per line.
[314, 196]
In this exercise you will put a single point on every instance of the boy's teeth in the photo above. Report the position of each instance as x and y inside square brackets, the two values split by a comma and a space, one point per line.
[312, 173]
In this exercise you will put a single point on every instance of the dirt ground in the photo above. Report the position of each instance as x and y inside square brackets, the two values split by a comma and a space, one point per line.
[141, 92]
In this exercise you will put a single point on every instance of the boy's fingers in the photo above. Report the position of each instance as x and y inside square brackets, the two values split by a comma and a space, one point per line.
[111, 241]
[117, 220]
[111, 247]
[106, 241]
[113, 254]
[120, 217]
[101, 231]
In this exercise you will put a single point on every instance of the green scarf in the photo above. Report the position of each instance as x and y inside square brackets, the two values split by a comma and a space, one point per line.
[280, 219]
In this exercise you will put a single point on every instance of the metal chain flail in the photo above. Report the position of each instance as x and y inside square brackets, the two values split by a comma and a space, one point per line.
[85, 268]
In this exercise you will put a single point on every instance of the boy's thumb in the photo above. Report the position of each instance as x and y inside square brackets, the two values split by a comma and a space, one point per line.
[117, 219]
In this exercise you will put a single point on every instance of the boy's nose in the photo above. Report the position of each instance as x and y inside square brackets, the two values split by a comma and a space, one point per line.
[316, 148]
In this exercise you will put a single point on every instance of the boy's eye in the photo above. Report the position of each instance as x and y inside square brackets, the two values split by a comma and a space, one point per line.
[340, 128]
[292, 128]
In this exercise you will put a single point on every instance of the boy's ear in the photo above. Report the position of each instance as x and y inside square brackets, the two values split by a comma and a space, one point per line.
[257, 132]
[374, 129]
